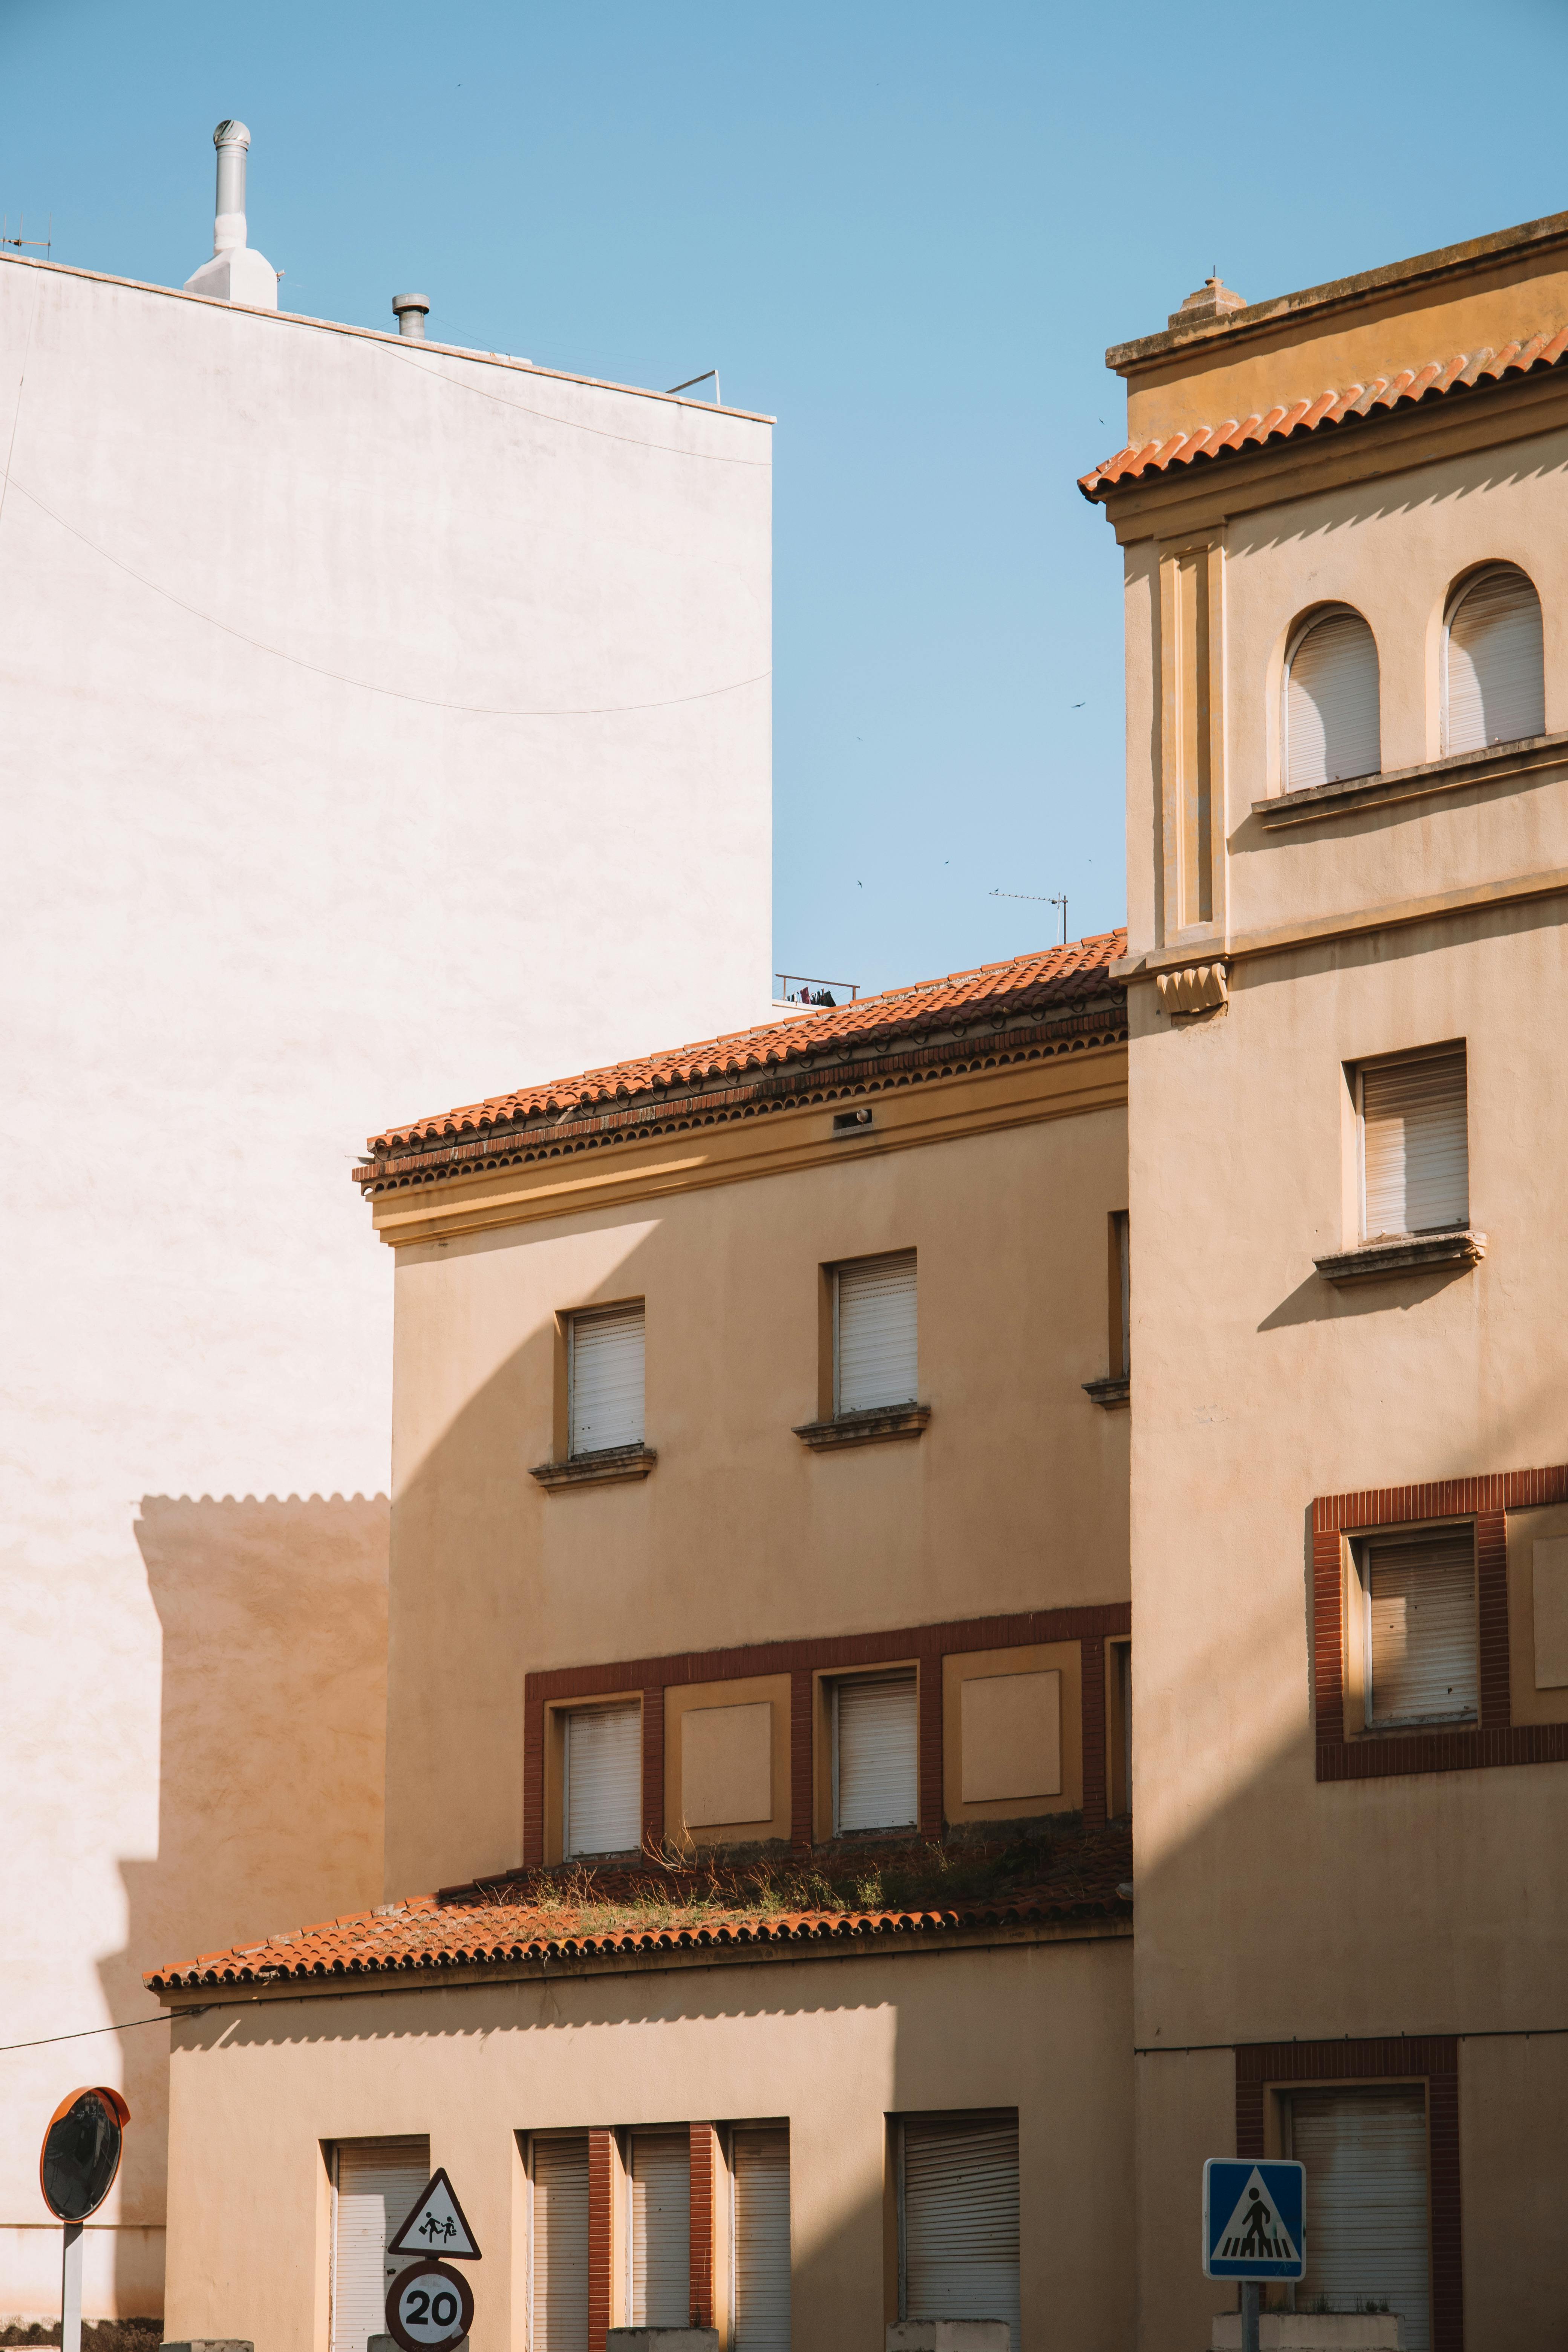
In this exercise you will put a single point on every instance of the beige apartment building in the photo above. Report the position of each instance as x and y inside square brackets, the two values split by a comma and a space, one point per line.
[756, 1943]
[1343, 516]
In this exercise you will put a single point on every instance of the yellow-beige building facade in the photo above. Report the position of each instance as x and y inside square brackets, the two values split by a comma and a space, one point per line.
[774, 1503]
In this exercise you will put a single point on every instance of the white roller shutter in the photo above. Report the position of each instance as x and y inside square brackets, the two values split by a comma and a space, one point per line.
[661, 2230]
[1415, 1162]
[1421, 1627]
[1494, 686]
[604, 1780]
[760, 2163]
[876, 1753]
[560, 2246]
[958, 2222]
[875, 1334]
[1332, 729]
[606, 1379]
[1365, 2153]
[375, 2186]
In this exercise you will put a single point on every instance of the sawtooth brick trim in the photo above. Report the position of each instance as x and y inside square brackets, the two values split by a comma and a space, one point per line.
[704, 2177]
[1091, 1624]
[1497, 1740]
[1432, 2058]
[600, 2234]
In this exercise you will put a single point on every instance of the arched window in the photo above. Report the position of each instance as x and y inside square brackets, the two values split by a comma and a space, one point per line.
[1494, 688]
[1331, 703]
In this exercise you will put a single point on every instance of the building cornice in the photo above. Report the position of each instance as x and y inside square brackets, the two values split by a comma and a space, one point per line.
[767, 1125]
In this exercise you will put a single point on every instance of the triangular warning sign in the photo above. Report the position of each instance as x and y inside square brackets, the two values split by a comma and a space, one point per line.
[1254, 2231]
[438, 2225]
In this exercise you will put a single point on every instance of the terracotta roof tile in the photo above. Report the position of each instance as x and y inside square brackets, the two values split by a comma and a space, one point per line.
[1047, 979]
[1436, 379]
[498, 1922]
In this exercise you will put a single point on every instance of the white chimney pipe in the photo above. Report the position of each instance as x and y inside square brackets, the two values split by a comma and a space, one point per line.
[231, 139]
[411, 311]
[236, 273]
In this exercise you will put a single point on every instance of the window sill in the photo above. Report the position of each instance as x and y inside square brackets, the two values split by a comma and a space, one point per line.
[1498, 764]
[1381, 1261]
[877, 1428]
[1112, 1392]
[612, 1467]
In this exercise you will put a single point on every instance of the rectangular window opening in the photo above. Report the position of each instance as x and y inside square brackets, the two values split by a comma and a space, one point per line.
[602, 1777]
[559, 2244]
[874, 1355]
[1415, 1150]
[1421, 1632]
[659, 2238]
[1367, 2233]
[759, 2238]
[958, 2220]
[375, 2185]
[1120, 1294]
[605, 1373]
[876, 1752]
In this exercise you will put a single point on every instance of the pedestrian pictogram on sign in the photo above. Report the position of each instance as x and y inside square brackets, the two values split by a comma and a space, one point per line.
[438, 2225]
[1253, 2219]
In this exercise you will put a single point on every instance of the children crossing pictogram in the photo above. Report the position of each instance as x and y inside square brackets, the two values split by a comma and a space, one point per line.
[438, 2225]
[1253, 2219]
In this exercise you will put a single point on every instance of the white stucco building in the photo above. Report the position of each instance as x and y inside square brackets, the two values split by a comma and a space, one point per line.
[377, 715]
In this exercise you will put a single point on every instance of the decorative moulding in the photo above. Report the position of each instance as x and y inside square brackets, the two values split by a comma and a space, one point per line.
[1409, 1253]
[864, 1428]
[1113, 1390]
[611, 1468]
[1193, 988]
[1499, 763]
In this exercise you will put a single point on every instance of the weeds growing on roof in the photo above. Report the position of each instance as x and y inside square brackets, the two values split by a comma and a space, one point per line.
[676, 1886]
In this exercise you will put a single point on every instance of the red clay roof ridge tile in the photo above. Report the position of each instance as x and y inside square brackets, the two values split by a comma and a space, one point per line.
[1062, 976]
[1432, 379]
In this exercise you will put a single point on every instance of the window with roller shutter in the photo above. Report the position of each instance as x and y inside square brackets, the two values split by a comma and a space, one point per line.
[759, 2173]
[560, 2246]
[1494, 683]
[602, 1772]
[1367, 2206]
[605, 1378]
[1415, 1147]
[1330, 725]
[958, 2220]
[875, 1352]
[876, 1752]
[375, 2186]
[1422, 1637]
[658, 2187]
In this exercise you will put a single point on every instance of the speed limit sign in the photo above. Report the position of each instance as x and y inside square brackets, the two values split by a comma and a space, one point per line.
[429, 2308]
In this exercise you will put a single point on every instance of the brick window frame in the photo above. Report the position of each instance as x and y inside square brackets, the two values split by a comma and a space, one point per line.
[1497, 1739]
[1432, 2059]
[1091, 1627]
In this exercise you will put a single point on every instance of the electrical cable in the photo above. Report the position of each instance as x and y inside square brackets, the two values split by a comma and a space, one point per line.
[601, 432]
[365, 685]
[86, 2032]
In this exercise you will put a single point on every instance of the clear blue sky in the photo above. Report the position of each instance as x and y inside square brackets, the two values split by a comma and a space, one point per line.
[907, 231]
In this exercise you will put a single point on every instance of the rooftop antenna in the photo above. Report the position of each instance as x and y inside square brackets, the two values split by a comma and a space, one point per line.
[36, 244]
[1036, 900]
[691, 380]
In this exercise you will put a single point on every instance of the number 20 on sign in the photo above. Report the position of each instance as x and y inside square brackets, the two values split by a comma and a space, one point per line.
[429, 2308]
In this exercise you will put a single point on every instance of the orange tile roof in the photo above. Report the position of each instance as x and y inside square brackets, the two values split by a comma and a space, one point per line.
[1049, 980]
[1354, 403]
[495, 1923]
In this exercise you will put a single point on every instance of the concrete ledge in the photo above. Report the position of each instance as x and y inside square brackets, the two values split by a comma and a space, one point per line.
[947, 2336]
[661, 2340]
[1115, 1390]
[243, 2344]
[1410, 1254]
[1498, 764]
[607, 1469]
[1313, 2331]
[864, 1428]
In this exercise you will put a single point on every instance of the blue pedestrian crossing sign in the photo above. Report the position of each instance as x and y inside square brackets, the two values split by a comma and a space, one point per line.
[1255, 2219]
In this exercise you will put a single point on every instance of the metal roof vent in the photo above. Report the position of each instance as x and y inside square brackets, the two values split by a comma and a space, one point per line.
[411, 311]
[236, 272]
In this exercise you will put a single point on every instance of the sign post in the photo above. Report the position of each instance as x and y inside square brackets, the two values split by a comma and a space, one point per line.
[1254, 2228]
[76, 2166]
